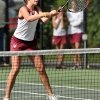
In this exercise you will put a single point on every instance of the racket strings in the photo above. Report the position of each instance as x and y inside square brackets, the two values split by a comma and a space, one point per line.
[80, 4]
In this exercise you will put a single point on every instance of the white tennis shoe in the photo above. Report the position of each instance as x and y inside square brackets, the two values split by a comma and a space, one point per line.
[52, 97]
[6, 99]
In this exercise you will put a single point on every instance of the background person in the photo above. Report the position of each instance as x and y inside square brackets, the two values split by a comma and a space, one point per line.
[59, 35]
[75, 30]
[24, 39]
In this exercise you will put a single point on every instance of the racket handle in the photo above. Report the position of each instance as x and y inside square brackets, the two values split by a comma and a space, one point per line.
[59, 10]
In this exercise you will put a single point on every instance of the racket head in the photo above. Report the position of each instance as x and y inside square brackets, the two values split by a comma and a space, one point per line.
[77, 5]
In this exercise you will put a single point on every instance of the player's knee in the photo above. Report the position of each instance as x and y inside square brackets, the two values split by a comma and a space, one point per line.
[40, 69]
[14, 71]
[42, 72]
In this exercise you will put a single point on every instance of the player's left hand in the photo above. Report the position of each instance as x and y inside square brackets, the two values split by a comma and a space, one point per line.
[53, 12]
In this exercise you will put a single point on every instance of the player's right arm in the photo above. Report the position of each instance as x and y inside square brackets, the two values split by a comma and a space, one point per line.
[23, 12]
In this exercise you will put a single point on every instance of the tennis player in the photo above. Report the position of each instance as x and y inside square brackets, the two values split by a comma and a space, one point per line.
[75, 30]
[24, 39]
[59, 35]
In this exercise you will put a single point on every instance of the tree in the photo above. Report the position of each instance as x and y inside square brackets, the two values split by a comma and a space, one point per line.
[93, 24]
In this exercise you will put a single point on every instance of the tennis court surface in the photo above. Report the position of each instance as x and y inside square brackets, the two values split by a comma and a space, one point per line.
[67, 84]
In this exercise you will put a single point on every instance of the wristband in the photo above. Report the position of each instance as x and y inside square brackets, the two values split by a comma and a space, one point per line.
[44, 14]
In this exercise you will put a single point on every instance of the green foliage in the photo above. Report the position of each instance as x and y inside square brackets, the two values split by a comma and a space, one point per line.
[47, 28]
[60, 2]
[93, 23]
[47, 35]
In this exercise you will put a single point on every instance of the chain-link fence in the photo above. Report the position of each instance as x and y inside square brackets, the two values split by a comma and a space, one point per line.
[93, 30]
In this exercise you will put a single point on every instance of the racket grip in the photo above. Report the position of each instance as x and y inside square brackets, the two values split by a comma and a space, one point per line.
[59, 10]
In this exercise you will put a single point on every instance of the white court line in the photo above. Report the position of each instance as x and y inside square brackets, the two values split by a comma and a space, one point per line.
[22, 92]
[62, 86]
[52, 86]
[24, 97]
[57, 86]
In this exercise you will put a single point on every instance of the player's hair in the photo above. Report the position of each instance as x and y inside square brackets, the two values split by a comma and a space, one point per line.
[25, 1]
[74, 1]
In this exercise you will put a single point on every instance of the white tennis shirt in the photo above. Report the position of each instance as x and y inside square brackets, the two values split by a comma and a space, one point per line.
[26, 30]
[75, 22]
[59, 31]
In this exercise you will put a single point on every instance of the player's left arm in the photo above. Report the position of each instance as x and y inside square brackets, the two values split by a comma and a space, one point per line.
[46, 15]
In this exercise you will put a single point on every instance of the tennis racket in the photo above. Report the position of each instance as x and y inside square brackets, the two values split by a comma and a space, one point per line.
[79, 5]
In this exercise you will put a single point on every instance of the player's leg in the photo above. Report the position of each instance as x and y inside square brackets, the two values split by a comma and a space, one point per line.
[61, 56]
[12, 75]
[56, 43]
[62, 42]
[37, 61]
[79, 61]
[74, 57]
[60, 59]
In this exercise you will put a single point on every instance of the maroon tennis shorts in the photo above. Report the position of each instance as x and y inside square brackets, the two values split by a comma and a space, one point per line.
[19, 45]
[59, 40]
[73, 38]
